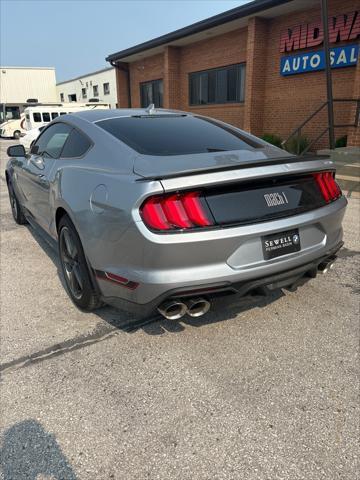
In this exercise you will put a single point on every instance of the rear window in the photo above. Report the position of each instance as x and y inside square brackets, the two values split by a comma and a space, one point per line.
[175, 135]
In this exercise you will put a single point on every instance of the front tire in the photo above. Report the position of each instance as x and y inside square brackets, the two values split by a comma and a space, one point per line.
[75, 268]
[16, 209]
[17, 134]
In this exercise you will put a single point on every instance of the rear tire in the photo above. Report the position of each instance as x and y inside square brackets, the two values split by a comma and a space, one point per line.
[16, 208]
[75, 268]
[17, 134]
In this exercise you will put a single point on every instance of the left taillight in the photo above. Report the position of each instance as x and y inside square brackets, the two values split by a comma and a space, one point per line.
[179, 211]
[330, 190]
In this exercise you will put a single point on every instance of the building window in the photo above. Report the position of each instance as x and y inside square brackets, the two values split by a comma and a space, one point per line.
[219, 85]
[151, 92]
[62, 99]
[96, 90]
[106, 88]
[83, 93]
[72, 97]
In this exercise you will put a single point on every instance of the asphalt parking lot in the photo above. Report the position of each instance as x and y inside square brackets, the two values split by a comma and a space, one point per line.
[256, 390]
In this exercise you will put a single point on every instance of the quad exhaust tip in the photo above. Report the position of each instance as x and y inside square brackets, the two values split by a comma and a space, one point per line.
[324, 267]
[197, 307]
[176, 309]
[172, 309]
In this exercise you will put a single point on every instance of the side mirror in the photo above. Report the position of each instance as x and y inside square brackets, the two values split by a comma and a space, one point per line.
[16, 151]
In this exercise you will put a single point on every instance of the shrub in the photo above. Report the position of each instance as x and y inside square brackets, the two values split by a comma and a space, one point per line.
[273, 139]
[297, 145]
[341, 142]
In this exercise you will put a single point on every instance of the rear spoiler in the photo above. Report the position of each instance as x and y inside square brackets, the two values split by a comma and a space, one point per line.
[254, 163]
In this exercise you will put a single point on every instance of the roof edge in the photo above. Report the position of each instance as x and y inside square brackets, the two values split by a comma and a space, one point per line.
[85, 75]
[214, 21]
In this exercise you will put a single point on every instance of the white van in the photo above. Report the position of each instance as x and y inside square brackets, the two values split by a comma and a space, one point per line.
[13, 128]
[40, 115]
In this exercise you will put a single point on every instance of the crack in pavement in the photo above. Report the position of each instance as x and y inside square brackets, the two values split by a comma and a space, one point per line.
[98, 335]
[60, 348]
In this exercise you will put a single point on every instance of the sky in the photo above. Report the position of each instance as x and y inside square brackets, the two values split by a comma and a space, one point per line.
[75, 36]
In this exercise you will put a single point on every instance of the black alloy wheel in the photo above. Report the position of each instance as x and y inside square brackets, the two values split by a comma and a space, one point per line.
[16, 209]
[75, 268]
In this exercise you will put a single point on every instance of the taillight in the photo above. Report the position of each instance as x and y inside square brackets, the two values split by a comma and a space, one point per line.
[329, 188]
[176, 211]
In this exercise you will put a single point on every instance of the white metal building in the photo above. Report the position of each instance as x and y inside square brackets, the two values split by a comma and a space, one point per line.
[100, 84]
[18, 84]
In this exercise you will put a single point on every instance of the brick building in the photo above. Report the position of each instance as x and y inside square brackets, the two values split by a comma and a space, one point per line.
[258, 66]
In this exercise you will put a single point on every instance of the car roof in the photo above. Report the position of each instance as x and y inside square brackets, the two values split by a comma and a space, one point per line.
[97, 115]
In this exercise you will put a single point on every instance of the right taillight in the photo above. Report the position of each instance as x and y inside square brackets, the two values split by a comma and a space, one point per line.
[330, 190]
[178, 211]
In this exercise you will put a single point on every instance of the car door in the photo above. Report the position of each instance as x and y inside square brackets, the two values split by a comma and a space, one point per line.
[37, 173]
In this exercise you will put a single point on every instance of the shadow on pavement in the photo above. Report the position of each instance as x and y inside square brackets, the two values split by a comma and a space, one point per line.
[29, 451]
[222, 308]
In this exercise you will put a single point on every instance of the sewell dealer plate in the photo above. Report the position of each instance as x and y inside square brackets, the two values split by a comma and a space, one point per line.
[281, 243]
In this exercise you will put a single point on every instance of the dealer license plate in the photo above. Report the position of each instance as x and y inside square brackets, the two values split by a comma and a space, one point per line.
[278, 244]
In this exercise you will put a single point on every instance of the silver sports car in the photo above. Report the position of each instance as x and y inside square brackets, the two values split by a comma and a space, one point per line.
[158, 209]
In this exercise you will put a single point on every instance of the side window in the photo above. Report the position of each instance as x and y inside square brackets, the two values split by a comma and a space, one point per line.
[54, 115]
[76, 146]
[37, 117]
[51, 141]
[62, 113]
[46, 116]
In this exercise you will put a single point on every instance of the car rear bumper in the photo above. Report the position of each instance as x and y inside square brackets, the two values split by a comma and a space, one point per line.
[282, 279]
[168, 265]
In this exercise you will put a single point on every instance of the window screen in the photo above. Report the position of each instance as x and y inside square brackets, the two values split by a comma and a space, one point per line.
[219, 85]
[175, 135]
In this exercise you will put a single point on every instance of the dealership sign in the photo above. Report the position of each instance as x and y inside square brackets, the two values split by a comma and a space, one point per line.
[310, 62]
[342, 28]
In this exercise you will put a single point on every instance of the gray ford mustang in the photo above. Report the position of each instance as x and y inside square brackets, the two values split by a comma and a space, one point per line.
[159, 209]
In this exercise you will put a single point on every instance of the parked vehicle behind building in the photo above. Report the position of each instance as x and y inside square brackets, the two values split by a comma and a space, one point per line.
[30, 136]
[40, 115]
[13, 128]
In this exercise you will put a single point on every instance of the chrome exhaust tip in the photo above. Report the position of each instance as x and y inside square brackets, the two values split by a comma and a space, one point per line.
[324, 267]
[197, 307]
[172, 309]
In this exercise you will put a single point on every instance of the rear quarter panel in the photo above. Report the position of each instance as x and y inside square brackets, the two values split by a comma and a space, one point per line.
[98, 192]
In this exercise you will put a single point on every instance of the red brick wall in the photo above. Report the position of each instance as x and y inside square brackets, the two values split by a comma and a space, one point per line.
[214, 52]
[354, 132]
[171, 78]
[122, 85]
[289, 100]
[255, 75]
[150, 68]
[273, 103]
